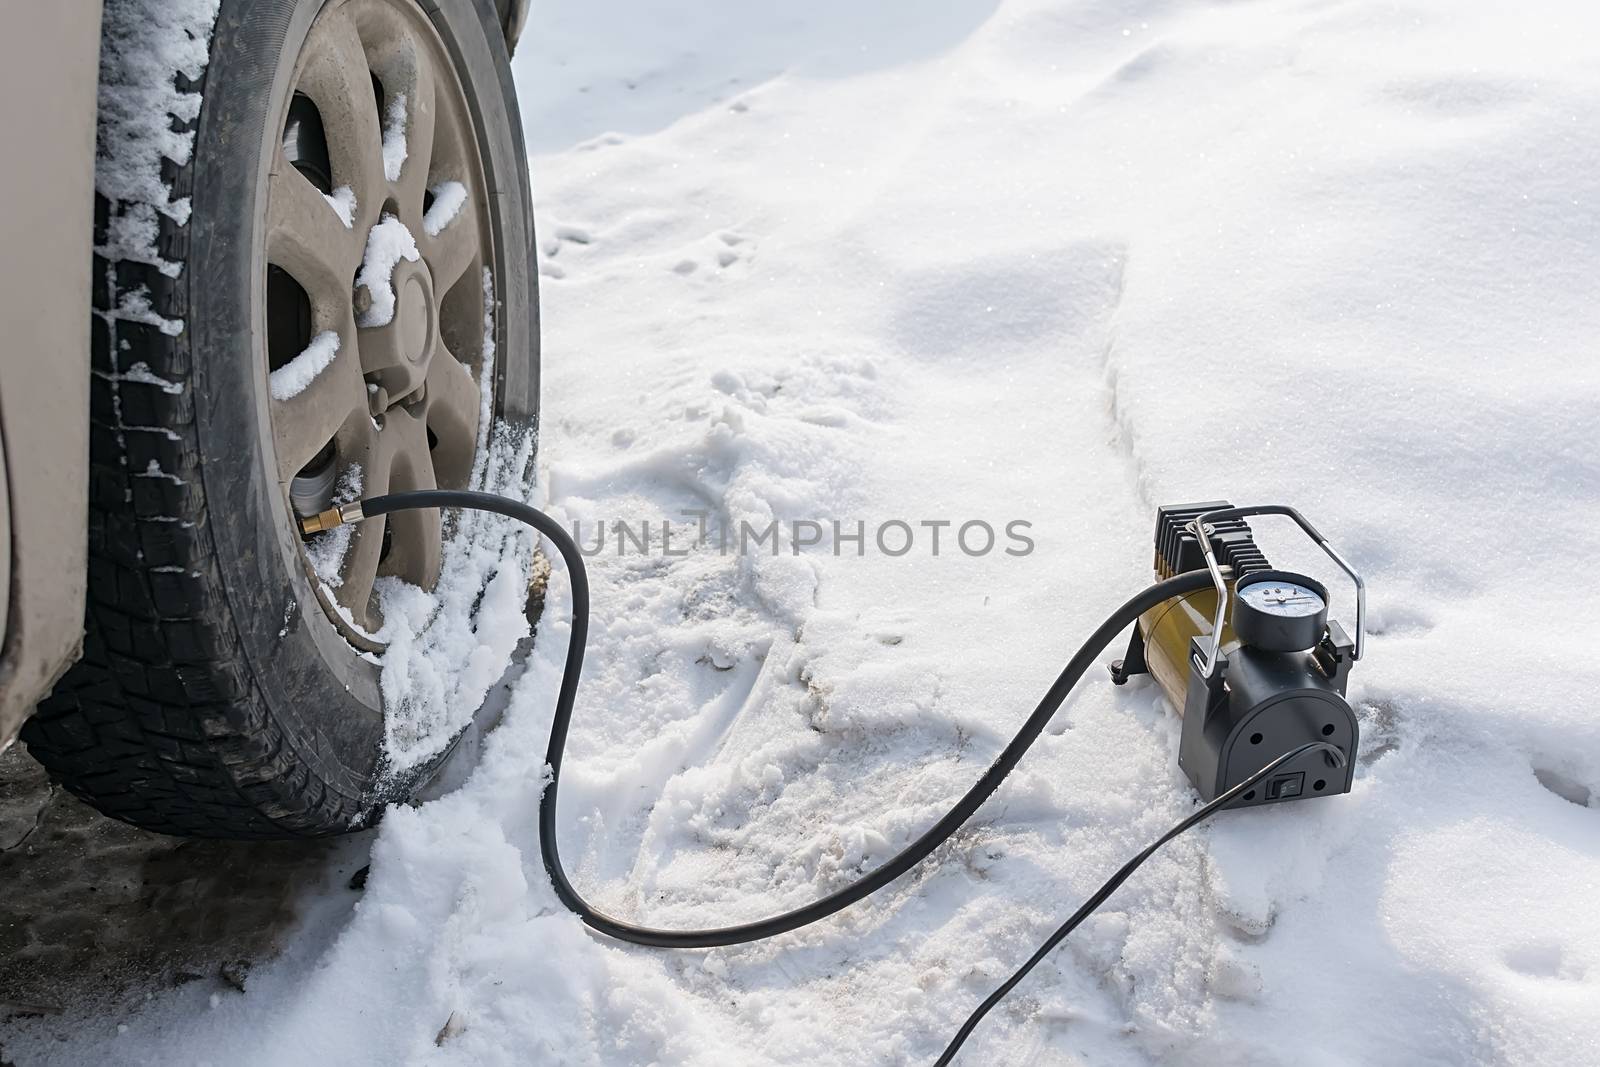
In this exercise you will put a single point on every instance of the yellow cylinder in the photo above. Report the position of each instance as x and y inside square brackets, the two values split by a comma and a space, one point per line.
[1169, 627]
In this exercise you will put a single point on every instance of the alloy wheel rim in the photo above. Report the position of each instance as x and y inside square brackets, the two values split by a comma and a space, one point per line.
[376, 357]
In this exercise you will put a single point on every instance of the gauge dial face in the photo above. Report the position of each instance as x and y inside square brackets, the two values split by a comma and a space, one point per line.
[1288, 600]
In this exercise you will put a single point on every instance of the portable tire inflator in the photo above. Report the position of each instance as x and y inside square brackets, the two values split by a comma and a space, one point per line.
[1245, 653]
[1258, 680]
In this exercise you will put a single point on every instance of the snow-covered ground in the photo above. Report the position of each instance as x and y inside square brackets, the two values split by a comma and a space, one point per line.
[1051, 262]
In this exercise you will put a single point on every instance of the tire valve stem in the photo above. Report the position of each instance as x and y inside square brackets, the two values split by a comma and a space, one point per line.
[327, 520]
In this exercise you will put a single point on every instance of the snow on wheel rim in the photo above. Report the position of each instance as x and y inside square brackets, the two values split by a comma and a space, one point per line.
[379, 269]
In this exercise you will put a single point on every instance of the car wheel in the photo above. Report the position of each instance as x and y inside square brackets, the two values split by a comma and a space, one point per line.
[355, 304]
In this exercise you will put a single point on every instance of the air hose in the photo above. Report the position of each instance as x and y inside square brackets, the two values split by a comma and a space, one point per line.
[901, 862]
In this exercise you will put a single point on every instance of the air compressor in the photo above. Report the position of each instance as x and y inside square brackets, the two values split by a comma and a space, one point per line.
[1252, 662]
[1245, 653]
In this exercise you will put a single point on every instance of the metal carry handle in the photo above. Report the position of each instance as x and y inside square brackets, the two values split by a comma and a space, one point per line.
[1202, 532]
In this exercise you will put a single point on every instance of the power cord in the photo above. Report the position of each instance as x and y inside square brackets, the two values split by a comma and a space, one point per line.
[1100, 896]
[902, 861]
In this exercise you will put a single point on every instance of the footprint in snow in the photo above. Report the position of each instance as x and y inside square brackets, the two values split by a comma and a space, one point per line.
[605, 140]
[1152, 61]
[1564, 786]
[1545, 959]
[1247, 922]
[551, 247]
[574, 235]
[724, 249]
[727, 256]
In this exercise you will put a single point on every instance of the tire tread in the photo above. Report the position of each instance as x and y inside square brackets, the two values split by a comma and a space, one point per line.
[160, 723]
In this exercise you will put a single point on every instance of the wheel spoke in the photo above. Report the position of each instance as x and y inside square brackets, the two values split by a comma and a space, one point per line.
[303, 423]
[360, 569]
[306, 238]
[458, 245]
[404, 66]
[454, 409]
[413, 181]
[455, 249]
[339, 82]
[415, 547]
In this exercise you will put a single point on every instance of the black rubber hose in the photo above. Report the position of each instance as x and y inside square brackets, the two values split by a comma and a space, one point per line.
[899, 864]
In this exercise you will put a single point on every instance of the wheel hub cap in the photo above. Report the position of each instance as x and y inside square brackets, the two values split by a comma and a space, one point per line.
[416, 320]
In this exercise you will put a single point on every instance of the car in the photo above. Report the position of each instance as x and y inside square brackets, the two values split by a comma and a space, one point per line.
[276, 255]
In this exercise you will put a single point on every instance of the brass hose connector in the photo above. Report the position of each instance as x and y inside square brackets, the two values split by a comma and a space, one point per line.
[327, 520]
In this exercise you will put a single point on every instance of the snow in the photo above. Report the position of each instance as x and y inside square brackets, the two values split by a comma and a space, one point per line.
[1007, 259]
[387, 244]
[293, 378]
[134, 306]
[394, 137]
[447, 200]
[343, 202]
[486, 377]
[141, 373]
[445, 648]
[145, 119]
[152, 469]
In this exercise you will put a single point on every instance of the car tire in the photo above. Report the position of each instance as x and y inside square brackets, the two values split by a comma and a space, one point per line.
[217, 695]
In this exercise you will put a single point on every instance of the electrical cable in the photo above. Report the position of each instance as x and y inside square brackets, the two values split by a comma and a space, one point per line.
[897, 865]
[1100, 895]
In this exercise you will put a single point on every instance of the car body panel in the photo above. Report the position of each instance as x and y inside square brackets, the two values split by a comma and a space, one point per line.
[49, 59]
[5, 547]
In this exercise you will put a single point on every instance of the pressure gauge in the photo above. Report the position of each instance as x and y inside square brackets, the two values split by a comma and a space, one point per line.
[1277, 611]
